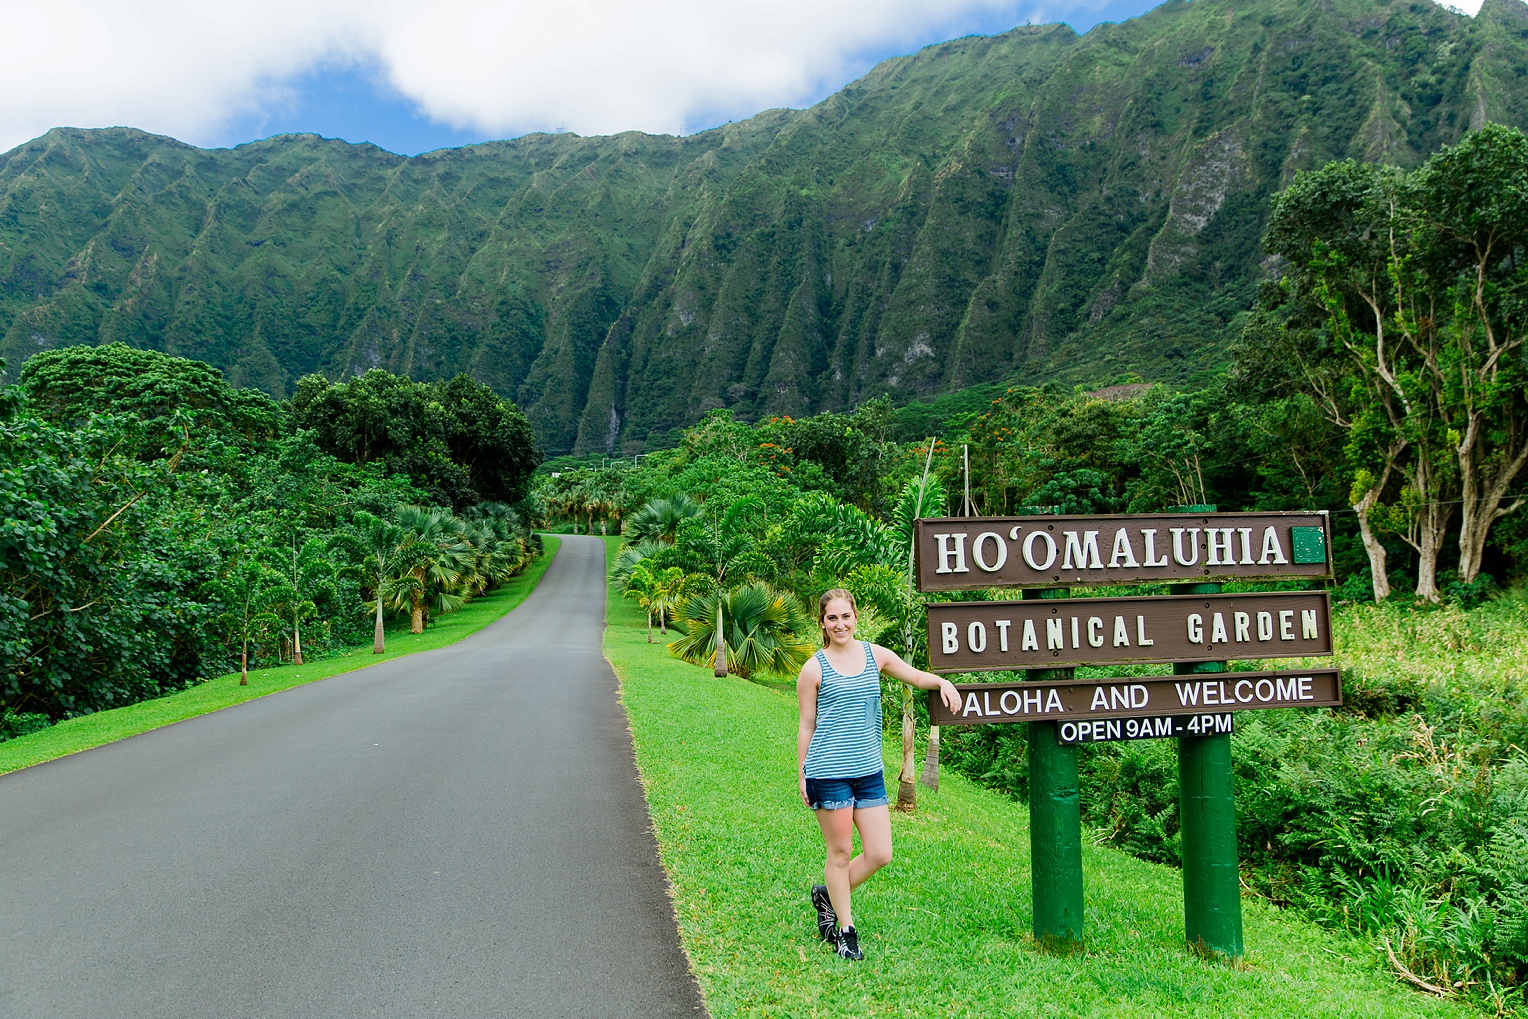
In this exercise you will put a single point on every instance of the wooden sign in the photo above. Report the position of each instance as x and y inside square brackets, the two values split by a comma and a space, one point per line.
[1138, 697]
[1063, 632]
[959, 553]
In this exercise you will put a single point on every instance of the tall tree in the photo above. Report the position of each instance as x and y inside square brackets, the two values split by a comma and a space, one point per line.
[456, 440]
[1473, 207]
[1404, 306]
[1351, 315]
[385, 547]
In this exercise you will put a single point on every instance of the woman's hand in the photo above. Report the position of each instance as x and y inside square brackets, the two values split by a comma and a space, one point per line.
[802, 777]
[949, 695]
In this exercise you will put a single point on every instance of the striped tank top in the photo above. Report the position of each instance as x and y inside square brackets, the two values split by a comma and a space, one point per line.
[847, 741]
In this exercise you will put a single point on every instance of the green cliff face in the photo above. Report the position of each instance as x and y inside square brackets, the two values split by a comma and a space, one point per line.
[1036, 202]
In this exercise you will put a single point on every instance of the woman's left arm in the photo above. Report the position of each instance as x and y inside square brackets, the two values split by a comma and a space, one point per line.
[891, 663]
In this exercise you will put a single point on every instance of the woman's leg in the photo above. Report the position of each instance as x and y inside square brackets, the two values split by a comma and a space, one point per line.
[838, 835]
[874, 824]
[845, 871]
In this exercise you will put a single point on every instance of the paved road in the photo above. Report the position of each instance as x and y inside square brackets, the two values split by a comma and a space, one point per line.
[458, 833]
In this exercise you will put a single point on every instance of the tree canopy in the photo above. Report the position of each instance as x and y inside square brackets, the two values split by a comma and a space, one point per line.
[458, 440]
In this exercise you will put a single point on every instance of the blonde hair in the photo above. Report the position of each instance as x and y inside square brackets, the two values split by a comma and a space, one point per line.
[822, 608]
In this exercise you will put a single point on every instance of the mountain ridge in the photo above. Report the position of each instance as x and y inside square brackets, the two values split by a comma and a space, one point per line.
[1037, 204]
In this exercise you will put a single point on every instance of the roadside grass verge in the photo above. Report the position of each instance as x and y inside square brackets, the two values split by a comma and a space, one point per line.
[75, 734]
[946, 926]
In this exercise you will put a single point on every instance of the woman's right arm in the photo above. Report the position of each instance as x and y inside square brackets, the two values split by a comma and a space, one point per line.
[806, 702]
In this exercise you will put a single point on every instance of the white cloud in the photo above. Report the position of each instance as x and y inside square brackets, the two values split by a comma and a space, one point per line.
[185, 67]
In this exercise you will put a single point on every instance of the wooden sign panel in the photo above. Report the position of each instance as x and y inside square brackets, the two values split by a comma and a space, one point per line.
[1139, 697]
[1062, 632]
[959, 553]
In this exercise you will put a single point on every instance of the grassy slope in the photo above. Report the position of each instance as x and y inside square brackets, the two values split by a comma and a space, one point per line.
[946, 926]
[88, 731]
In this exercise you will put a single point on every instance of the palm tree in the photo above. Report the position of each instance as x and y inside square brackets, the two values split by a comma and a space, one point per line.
[759, 631]
[918, 500]
[308, 566]
[729, 554]
[441, 555]
[631, 554]
[498, 536]
[658, 591]
[660, 519]
[670, 589]
[641, 586]
[248, 590]
[384, 544]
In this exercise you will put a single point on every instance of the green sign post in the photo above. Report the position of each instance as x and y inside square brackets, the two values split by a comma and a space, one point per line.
[1055, 824]
[1212, 917]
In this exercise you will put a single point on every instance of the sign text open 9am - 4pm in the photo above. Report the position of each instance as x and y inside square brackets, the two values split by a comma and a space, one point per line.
[959, 553]
[1116, 730]
[1051, 633]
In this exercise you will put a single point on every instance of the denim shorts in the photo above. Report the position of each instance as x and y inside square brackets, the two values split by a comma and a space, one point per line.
[837, 793]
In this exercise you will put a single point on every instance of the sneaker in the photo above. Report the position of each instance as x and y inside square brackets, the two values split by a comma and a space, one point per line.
[827, 920]
[847, 944]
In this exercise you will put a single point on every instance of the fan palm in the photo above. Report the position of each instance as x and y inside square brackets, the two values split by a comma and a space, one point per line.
[438, 544]
[633, 553]
[660, 519]
[759, 630]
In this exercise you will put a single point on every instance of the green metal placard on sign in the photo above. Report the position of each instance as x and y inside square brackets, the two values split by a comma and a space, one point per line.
[1309, 545]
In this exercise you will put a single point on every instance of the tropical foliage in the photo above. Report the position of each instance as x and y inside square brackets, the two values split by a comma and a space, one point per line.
[159, 527]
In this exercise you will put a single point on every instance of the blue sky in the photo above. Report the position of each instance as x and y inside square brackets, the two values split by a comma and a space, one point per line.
[354, 101]
[412, 77]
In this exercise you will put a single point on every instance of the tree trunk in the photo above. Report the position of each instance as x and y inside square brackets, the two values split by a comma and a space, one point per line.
[1429, 528]
[1427, 570]
[721, 641]
[930, 776]
[907, 793]
[661, 628]
[244, 665]
[1480, 501]
[416, 622]
[378, 645]
[296, 640]
[649, 626]
[1376, 552]
[1372, 545]
[1474, 529]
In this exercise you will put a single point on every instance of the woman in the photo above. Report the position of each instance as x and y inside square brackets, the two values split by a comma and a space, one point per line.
[838, 750]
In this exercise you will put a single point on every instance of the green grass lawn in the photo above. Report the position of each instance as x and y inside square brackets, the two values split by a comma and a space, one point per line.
[76, 734]
[946, 927]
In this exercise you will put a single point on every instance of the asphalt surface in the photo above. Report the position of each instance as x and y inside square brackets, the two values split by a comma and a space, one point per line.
[456, 833]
